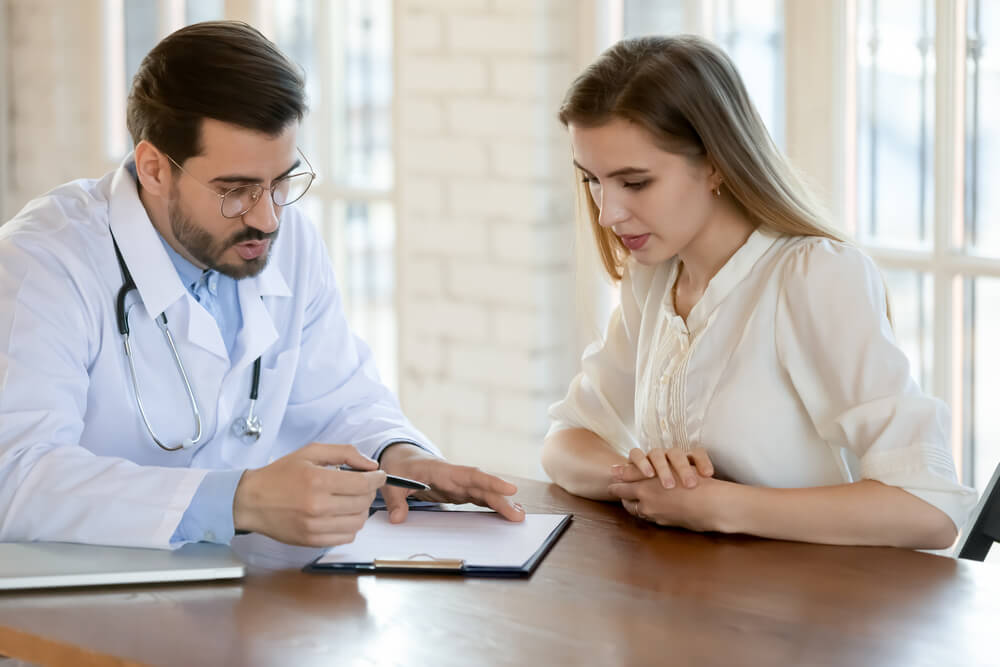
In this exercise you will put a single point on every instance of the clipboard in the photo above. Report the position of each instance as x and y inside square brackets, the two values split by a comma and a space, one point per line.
[434, 540]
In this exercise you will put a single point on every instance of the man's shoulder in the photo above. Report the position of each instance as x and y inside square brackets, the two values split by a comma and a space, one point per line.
[62, 228]
[62, 213]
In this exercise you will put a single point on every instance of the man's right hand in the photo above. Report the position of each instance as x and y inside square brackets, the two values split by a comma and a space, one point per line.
[299, 500]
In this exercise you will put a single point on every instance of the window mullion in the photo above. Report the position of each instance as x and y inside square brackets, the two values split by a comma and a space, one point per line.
[949, 336]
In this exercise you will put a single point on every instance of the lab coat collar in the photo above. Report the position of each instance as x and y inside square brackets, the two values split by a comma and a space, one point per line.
[258, 332]
[154, 274]
[160, 286]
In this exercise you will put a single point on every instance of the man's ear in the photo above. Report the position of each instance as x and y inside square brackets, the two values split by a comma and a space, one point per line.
[153, 169]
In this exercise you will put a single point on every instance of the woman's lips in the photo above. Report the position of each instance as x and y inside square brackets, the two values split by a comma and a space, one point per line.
[250, 250]
[635, 242]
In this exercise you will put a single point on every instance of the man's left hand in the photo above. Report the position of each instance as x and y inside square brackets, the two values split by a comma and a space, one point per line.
[449, 483]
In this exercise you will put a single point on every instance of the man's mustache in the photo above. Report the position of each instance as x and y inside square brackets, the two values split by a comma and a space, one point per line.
[252, 234]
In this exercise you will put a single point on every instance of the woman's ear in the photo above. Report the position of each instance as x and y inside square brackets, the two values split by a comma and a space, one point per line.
[714, 176]
[152, 169]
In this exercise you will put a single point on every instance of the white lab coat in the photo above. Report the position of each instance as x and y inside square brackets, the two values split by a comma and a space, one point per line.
[76, 462]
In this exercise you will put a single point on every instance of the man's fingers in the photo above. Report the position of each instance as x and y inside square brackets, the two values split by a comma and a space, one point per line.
[323, 505]
[462, 478]
[323, 454]
[503, 506]
[336, 482]
[347, 523]
[395, 503]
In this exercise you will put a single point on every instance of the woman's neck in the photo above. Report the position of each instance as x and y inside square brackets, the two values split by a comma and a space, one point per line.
[709, 251]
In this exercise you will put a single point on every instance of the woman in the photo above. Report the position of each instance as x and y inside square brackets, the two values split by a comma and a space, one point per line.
[750, 380]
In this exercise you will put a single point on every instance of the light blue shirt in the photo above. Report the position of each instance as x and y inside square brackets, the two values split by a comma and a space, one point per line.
[209, 517]
[319, 381]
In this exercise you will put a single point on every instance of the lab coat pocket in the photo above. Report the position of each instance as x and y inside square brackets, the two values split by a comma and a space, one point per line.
[275, 386]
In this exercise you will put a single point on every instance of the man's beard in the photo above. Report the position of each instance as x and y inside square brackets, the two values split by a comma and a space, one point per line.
[200, 244]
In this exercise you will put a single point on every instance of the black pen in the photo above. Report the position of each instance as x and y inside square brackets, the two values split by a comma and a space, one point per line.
[395, 480]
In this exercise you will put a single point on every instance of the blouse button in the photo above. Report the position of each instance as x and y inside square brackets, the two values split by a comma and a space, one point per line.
[664, 379]
[663, 423]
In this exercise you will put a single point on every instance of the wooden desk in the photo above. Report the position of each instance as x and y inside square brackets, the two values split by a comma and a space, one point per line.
[613, 591]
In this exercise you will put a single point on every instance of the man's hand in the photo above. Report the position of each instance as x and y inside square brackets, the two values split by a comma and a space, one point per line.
[449, 483]
[299, 500]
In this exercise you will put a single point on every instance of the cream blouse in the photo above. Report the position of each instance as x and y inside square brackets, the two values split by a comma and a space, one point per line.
[787, 372]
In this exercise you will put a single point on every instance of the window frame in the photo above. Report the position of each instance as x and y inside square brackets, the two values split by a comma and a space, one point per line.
[325, 194]
[820, 42]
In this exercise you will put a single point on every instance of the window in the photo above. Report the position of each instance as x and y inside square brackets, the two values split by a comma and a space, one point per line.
[749, 30]
[345, 50]
[912, 164]
[924, 72]
[981, 239]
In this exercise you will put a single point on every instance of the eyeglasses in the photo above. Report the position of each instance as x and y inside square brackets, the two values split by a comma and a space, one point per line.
[239, 200]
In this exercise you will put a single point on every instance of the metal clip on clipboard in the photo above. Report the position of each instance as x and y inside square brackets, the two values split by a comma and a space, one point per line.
[419, 562]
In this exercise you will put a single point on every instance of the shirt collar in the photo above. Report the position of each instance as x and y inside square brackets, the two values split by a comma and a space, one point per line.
[270, 281]
[728, 277]
[159, 279]
[189, 273]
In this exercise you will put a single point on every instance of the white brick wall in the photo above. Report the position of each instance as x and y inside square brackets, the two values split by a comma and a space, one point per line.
[485, 215]
[53, 56]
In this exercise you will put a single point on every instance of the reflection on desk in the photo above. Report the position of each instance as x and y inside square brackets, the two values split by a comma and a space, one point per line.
[613, 591]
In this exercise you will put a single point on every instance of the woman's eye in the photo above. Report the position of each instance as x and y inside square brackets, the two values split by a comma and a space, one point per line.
[635, 185]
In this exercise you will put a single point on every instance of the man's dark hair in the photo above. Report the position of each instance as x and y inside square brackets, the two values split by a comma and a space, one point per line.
[224, 70]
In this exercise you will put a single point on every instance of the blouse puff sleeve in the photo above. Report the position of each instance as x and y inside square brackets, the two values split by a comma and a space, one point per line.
[601, 398]
[835, 341]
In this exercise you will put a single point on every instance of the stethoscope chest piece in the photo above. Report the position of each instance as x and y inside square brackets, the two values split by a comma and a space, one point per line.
[249, 428]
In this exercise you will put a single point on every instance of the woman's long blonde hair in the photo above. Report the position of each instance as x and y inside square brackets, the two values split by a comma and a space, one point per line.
[687, 94]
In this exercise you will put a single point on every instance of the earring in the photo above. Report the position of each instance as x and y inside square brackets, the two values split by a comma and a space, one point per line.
[718, 190]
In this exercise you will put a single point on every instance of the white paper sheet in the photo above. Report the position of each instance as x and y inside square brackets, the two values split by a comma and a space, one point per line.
[478, 538]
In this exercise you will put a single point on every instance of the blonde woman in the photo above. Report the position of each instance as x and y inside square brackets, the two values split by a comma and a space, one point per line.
[750, 380]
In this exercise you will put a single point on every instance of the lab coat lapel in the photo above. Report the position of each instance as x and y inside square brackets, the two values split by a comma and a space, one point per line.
[259, 331]
[156, 280]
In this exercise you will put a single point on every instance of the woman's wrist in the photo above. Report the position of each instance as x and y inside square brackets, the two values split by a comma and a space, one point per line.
[729, 507]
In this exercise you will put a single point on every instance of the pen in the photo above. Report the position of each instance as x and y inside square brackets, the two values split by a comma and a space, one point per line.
[396, 480]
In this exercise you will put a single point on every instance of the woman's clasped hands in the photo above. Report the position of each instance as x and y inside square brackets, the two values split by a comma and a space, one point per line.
[670, 487]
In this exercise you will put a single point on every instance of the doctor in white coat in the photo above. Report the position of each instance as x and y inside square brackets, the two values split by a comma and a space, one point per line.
[244, 389]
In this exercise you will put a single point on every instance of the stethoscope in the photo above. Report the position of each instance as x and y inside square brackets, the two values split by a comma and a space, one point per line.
[248, 428]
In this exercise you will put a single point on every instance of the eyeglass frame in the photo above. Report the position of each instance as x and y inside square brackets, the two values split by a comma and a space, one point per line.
[260, 188]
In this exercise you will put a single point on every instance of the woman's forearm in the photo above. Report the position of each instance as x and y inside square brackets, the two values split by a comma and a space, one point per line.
[580, 461]
[862, 513]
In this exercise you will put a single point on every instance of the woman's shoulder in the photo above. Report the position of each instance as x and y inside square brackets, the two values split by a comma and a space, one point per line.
[821, 269]
[820, 258]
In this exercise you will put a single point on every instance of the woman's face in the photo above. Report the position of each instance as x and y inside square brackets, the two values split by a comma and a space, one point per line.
[656, 202]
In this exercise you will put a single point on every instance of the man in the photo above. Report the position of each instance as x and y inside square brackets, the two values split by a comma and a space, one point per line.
[175, 364]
